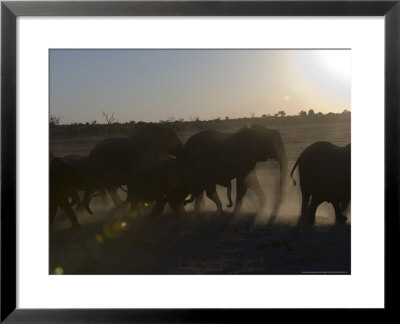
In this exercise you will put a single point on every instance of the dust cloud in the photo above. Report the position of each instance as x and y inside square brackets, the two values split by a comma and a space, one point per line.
[115, 241]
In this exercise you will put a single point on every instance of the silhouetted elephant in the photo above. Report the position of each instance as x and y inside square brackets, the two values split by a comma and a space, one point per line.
[80, 163]
[110, 161]
[64, 178]
[325, 172]
[163, 181]
[217, 158]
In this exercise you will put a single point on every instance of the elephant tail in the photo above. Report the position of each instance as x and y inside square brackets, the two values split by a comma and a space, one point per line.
[294, 168]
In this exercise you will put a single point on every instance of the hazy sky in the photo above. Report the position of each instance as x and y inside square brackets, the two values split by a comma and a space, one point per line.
[153, 85]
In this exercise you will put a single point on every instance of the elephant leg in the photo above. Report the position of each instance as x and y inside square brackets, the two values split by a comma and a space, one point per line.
[66, 207]
[158, 208]
[340, 218]
[103, 194]
[229, 195]
[305, 201]
[212, 194]
[86, 199]
[315, 202]
[198, 202]
[79, 202]
[114, 196]
[75, 200]
[241, 189]
[177, 207]
[344, 205]
[190, 200]
[134, 203]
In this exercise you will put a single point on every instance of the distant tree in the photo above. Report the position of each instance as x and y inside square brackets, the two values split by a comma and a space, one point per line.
[252, 114]
[311, 112]
[345, 112]
[302, 113]
[193, 118]
[54, 120]
[319, 114]
[281, 113]
[226, 118]
[94, 122]
[109, 119]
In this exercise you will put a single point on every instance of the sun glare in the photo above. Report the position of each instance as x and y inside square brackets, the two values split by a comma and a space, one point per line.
[336, 62]
[328, 69]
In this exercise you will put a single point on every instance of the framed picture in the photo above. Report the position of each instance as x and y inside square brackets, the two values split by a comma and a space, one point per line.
[199, 151]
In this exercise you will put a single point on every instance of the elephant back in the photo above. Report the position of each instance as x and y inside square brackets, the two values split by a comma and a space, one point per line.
[259, 143]
[111, 160]
[205, 145]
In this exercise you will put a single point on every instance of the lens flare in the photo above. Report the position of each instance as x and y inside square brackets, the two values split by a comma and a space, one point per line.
[112, 230]
[99, 238]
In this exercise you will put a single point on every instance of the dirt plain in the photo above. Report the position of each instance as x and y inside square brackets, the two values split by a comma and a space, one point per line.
[113, 241]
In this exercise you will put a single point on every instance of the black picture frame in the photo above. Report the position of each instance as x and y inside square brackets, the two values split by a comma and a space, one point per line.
[10, 10]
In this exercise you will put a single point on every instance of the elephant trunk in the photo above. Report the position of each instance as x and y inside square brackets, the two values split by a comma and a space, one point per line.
[282, 159]
[283, 162]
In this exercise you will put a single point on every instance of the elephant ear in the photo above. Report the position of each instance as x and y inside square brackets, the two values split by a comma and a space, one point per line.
[245, 144]
[258, 143]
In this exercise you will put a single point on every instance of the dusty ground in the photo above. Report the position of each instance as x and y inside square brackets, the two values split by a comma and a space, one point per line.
[112, 241]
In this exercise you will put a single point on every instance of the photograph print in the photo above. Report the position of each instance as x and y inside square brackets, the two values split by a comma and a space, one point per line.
[199, 161]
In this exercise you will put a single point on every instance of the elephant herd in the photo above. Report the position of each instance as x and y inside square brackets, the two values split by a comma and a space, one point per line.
[152, 164]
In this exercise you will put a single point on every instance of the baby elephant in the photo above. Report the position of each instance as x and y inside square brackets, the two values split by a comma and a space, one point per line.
[164, 181]
[325, 172]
